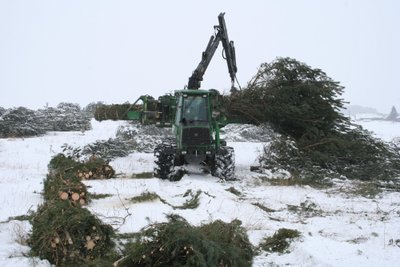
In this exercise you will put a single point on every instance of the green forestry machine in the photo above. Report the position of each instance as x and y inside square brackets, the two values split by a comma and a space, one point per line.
[195, 116]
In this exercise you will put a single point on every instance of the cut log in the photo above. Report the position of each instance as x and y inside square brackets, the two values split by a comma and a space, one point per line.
[75, 197]
[63, 195]
[90, 244]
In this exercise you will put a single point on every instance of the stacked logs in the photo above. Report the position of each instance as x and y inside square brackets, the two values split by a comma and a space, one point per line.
[73, 196]
[85, 175]
[102, 171]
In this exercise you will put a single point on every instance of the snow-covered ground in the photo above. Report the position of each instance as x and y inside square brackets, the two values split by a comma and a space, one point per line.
[337, 228]
[385, 130]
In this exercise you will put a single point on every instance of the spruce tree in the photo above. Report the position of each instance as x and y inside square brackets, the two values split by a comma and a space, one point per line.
[303, 104]
[297, 99]
[393, 114]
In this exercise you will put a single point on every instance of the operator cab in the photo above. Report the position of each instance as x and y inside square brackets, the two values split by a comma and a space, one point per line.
[194, 109]
[193, 128]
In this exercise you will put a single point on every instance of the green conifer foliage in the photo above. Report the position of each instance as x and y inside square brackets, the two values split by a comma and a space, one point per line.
[177, 243]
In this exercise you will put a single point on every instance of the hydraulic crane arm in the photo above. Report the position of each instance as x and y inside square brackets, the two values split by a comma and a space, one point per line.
[229, 49]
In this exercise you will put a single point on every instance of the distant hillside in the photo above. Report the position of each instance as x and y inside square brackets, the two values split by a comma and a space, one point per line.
[357, 109]
[357, 112]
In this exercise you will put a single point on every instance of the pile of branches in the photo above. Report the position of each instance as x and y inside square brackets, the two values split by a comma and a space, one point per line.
[23, 122]
[315, 140]
[19, 122]
[64, 180]
[65, 187]
[129, 138]
[110, 149]
[65, 117]
[147, 137]
[234, 132]
[68, 235]
[177, 243]
[63, 231]
[280, 241]
[112, 112]
[92, 168]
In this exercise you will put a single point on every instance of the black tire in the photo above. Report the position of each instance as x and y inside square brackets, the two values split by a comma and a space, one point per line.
[224, 164]
[166, 161]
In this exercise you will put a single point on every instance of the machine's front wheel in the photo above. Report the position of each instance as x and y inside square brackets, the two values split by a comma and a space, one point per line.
[165, 162]
[224, 163]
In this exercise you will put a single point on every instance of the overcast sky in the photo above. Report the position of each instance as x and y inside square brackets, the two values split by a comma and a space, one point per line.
[114, 51]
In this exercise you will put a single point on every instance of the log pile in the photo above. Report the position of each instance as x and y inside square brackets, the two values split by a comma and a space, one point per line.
[94, 169]
[73, 196]
[65, 187]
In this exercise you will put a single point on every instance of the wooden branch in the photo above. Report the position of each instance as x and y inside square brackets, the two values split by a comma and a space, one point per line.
[323, 142]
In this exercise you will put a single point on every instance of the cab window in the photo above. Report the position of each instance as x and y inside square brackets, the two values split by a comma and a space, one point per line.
[194, 108]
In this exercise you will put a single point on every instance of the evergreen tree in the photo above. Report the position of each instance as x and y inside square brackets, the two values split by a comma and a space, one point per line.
[303, 105]
[393, 115]
[297, 99]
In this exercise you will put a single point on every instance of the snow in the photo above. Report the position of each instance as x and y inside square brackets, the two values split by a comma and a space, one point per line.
[368, 116]
[385, 130]
[337, 228]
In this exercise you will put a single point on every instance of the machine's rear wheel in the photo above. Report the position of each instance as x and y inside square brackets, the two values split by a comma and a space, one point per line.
[224, 164]
[166, 161]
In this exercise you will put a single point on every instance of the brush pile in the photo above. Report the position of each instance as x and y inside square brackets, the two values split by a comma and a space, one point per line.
[112, 112]
[177, 243]
[23, 122]
[63, 232]
[93, 168]
[64, 180]
[68, 235]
